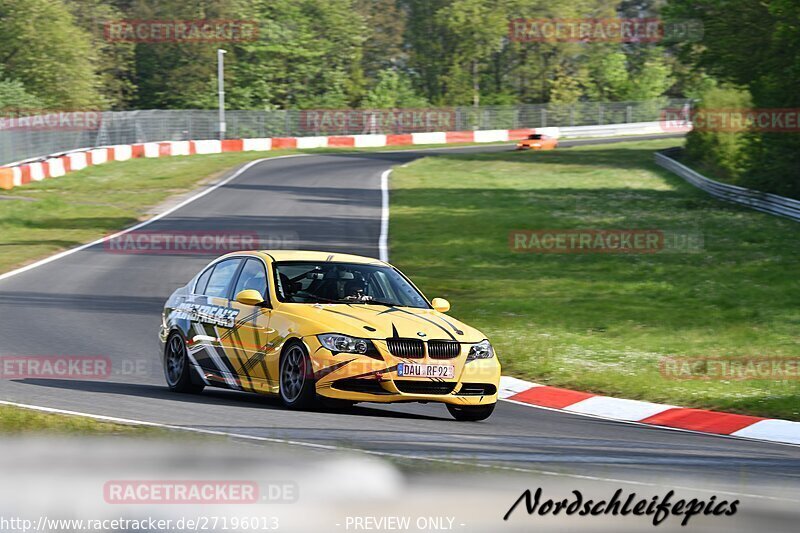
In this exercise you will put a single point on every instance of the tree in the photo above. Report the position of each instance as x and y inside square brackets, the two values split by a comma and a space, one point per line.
[393, 90]
[114, 64]
[565, 88]
[611, 77]
[180, 74]
[475, 30]
[44, 49]
[13, 97]
[385, 23]
[651, 79]
[308, 55]
[755, 45]
[428, 46]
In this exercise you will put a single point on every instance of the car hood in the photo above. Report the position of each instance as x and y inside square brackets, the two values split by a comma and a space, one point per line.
[360, 321]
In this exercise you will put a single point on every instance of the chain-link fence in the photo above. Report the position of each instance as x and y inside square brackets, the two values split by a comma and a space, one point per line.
[26, 138]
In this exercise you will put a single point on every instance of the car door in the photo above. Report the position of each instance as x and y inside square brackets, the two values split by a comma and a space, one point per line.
[248, 339]
[211, 319]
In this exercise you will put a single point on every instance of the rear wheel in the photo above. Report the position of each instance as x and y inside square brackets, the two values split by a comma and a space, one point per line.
[177, 369]
[470, 413]
[297, 387]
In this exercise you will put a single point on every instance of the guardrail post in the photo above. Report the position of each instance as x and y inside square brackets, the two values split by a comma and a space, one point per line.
[758, 200]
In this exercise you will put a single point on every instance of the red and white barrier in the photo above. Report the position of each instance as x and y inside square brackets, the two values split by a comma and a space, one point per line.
[52, 167]
[55, 166]
[584, 403]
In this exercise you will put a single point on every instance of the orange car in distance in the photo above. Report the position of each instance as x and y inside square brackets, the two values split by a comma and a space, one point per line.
[537, 141]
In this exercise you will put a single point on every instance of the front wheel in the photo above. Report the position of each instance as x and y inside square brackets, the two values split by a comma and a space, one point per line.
[297, 387]
[177, 369]
[470, 413]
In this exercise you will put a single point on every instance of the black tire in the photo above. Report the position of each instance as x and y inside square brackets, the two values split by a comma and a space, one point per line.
[296, 378]
[177, 370]
[470, 413]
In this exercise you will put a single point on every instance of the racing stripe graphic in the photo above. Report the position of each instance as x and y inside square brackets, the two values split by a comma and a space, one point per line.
[193, 361]
[256, 359]
[237, 346]
[247, 362]
[319, 374]
[219, 362]
[240, 353]
[398, 310]
[344, 314]
[458, 331]
[429, 321]
[373, 372]
[259, 357]
[225, 363]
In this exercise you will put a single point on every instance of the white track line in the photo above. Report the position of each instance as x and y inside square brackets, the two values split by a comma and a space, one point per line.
[383, 240]
[383, 250]
[651, 426]
[384, 212]
[189, 200]
[334, 448]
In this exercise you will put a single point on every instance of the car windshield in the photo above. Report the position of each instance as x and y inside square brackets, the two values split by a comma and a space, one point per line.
[329, 282]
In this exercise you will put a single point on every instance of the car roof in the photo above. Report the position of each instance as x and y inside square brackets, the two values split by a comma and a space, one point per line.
[309, 255]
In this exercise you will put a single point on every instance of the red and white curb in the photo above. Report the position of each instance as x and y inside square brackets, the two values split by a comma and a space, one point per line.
[58, 165]
[700, 420]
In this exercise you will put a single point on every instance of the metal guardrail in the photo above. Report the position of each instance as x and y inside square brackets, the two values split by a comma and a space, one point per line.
[130, 127]
[761, 201]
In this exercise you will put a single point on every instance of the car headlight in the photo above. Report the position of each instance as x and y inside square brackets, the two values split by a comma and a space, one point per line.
[343, 344]
[482, 350]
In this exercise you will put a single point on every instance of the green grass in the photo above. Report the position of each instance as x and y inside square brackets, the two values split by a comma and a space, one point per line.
[602, 322]
[42, 218]
[595, 322]
[15, 420]
[39, 219]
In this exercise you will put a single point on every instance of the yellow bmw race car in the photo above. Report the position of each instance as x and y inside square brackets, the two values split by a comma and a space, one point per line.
[316, 326]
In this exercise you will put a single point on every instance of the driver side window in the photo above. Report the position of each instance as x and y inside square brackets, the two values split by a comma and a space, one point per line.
[253, 276]
[221, 278]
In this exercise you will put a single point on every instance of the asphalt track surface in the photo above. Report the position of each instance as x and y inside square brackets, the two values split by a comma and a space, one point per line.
[94, 302]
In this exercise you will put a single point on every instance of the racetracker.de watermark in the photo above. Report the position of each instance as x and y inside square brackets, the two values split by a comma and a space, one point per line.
[49, 120]
[728, 369]
[181, 31]
[732, 120]
[350, 121]
[600, 30]
[170, 491]
[196, 242]
[604, 241]
[82, 367]
[55, 367]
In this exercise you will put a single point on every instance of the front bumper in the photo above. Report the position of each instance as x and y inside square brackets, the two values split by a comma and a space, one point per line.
[361, 378]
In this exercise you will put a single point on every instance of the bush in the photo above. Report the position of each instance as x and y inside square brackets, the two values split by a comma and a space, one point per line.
[722, 153]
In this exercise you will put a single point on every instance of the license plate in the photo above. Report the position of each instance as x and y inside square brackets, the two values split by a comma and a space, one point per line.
[425, 371]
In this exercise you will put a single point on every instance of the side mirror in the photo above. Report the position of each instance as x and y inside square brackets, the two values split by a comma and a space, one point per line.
[441, 305]
[250, 297]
